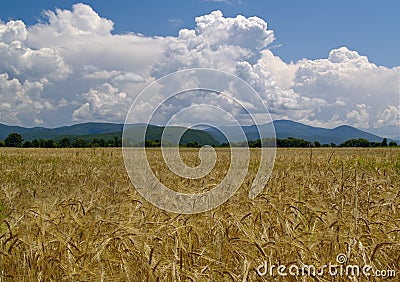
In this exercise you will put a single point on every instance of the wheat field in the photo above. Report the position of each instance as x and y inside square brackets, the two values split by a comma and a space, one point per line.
[73, 215]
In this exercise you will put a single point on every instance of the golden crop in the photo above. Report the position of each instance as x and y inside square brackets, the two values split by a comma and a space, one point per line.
[73, 215]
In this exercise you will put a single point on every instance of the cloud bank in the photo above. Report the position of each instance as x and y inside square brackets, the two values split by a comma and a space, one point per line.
[73, 67]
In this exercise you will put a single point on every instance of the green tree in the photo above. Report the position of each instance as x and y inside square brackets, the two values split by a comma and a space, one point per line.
[255, 143]
[117, 142]
[13, 140]
[392, 144]
[375, 144]
[98, 143]
[152, 143]
[49, 143]
[2, 143]
[42, 143]
[64, 143]
[384, 142]
[317, 144]
[80, 143]
[293, 142]
[35, 143]
[193, 145]
[360, 142]
[27, 144]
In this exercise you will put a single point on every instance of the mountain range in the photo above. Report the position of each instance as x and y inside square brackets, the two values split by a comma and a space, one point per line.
[107, 131]
[287, 128]
[210, 136]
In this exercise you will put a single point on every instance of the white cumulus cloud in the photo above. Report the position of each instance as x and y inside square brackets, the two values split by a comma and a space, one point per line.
[45, 68]
[104, 103]
[356, 90]
[389, 117]
[21, 101]
[359, 117]
[20, 61]
[81, 20]
[216, 42]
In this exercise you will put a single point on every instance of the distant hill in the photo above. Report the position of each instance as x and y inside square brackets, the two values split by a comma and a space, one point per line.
[287, 128]
[107, 131]
[206, 136]
[82, 129]
[337, 135]
[134, 135]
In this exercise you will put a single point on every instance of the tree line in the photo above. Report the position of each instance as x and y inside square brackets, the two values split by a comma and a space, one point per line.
[301, 143]
[16, 140]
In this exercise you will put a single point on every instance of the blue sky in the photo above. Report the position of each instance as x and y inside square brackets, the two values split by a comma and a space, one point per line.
[304, 29]
[317, 62]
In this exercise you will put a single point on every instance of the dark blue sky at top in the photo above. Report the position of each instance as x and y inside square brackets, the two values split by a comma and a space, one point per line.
[304, 29]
